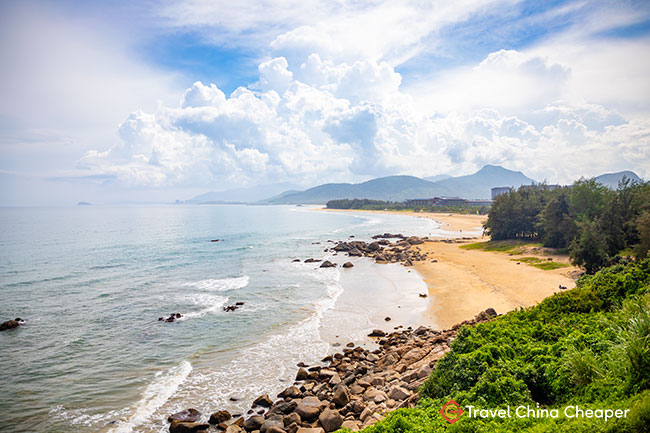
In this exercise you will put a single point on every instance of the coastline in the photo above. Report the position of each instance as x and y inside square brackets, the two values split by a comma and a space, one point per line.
[462, 283]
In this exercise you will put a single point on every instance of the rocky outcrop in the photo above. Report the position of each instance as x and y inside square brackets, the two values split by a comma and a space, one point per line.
[402, 251]
[354, 388]
[11, 324]
[187, 415]
[171, 318]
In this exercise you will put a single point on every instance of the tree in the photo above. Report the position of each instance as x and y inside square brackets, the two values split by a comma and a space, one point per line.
[643, 228]
[589, 249]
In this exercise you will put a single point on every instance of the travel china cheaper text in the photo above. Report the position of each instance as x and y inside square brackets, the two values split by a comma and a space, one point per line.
[537, 412]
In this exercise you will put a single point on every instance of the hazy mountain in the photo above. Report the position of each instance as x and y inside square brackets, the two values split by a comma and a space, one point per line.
[398, 188]
[391, 188]
[437, 177]
[244, 195]
[611, 180]
[479, 184]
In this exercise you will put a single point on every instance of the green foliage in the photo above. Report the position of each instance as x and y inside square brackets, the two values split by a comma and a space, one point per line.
[596, 223]
[507, 246]
[588, 346]
[366, 204]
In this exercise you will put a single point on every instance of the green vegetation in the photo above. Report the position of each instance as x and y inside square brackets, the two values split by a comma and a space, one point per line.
[593, 223]
[545, 265]
[589, 346]
[367, 204]
[509, 246]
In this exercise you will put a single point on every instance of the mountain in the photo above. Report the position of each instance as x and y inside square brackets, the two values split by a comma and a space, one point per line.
[611, 180]
[391, 188]
[399, 188]
[243, 195]
[437, 177]
[479, 184]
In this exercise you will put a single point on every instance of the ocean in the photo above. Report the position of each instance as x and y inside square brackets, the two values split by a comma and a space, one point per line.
[92, 281]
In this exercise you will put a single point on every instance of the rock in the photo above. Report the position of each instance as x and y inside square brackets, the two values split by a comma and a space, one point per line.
[348, 265]
[239, 304]
[187, 427]
[285, 407]
[263, 400]
[273, 421]
[399, 393]
[309, 408]
[312, 260]
[275, 429]
[253, 423]
[310, 430]
[291, 418]
[341, 396]
[335, 380]
[350, 425]
[423, 295]
[421, 330]
[302, 374]
[295, 260]
[10, 324]
[377, 333]
[491, 312]
[365, 414]
[219, 417]
[424, 371]
[327, 264]
[291, 392]
[331, 420]
[233, 428]
[187, 415]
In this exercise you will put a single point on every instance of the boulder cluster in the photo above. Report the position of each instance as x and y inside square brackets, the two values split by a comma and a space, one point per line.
[353, 389]
[404, 250]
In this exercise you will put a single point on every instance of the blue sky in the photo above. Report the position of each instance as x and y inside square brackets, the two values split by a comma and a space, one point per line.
[102, 100]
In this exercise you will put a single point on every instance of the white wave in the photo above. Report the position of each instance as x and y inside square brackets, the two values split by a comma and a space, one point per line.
[155, 395]
[211, 303]
[220, 284]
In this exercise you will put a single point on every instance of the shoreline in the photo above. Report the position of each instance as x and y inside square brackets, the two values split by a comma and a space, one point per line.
[462, 283]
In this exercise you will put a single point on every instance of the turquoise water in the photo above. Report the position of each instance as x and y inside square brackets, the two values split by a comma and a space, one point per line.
[91, 283]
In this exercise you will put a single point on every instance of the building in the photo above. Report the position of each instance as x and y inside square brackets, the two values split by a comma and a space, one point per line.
[498, 190]
[424, 202]
[443, 201]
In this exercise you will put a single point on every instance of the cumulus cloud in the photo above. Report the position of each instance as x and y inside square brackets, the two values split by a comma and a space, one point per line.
[340, 121]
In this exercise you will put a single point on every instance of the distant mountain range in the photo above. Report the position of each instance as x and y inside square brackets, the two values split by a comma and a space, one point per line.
[399, 188]
[391, 188]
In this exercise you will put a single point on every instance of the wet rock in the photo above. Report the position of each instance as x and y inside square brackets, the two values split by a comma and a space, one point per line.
[387, 319]
[295, 260]
[263, 400]
[310, 260]
[302, 374]
[187, 427]
[253, 423]
[219, 417]
[273, 421]
[10, 324]
[187, 415]
[348, 265]
[377, 333]
[291, 392]
[330, 419]
[327, 264]
[291, 418]
[423, 295]
[239, 304]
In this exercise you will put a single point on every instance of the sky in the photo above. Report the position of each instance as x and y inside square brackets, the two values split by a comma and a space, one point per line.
[157, 100]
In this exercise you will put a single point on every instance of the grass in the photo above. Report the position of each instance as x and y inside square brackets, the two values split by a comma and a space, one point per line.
[507, 246]
[545, 265]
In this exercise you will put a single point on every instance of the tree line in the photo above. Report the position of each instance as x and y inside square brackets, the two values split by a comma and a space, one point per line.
[595, 224]
[368, 204]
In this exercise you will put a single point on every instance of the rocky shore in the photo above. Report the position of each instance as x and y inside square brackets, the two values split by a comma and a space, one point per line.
[354, 388]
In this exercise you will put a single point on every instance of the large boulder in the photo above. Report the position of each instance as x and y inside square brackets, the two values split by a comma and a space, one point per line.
[219, 417]
[341, 396]
[331, 420]
[10, 324]
[309, 408]
[187, 427]
[187, 415]
[272, 421]
[253, 423]
[291, 392]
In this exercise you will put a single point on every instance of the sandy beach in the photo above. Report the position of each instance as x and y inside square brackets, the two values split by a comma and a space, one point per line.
[463, 283]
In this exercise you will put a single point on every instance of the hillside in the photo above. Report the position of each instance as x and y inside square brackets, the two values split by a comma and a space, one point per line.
[399, 188]
[611, 180]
